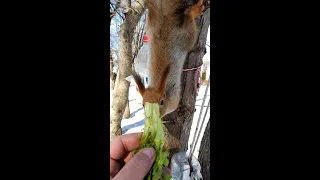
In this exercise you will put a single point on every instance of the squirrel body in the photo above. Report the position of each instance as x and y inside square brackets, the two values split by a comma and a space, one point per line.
[172, 33]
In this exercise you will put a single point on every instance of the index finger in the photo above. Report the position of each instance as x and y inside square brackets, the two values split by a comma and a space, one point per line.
[121, 145]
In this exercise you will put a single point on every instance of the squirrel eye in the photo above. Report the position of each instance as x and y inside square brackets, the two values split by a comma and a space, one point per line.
[161, 102]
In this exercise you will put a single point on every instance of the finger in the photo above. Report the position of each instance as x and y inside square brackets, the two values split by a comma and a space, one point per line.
[114, 167]
[121, 145]
[138, 167]
[126, 159]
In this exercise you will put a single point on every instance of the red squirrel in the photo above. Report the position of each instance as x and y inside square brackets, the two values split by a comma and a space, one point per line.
[172, 33]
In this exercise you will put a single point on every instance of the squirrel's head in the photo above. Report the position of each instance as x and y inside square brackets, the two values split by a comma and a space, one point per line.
[152, 94]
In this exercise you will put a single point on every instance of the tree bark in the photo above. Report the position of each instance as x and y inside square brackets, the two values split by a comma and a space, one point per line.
[112, 74]
[120, 95]
[179, 123]
[204, 153]
[126, 114]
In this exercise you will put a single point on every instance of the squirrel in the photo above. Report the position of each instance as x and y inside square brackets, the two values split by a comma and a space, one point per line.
[172, 33]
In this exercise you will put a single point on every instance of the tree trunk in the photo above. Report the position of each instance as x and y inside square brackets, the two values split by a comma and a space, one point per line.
[204, 154]
[112, 74]
[179, 123]
[120, 95]
[126, 114]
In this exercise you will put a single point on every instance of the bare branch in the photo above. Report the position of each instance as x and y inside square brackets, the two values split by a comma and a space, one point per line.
[120, 15]
[118, 22]
[125, 5]
[112, 4]
[116, 8]
[120, 94]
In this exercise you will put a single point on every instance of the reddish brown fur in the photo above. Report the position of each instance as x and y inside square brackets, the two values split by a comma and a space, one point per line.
[152, 95]
[172, 33]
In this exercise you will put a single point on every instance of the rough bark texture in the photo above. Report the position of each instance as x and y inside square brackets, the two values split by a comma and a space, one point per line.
[120, 95]
[204, 154]
[179, 123]
[112, 74]
[126, 114]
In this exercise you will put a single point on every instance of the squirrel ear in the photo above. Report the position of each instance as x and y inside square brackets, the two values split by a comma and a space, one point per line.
[162, 87]
[139, 81]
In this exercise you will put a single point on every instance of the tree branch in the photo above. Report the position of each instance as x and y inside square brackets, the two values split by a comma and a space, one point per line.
[120, 95]
[115, 11]
[120, 15]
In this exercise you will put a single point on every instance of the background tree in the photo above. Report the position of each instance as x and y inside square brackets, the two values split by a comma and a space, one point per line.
[136, 45]
[132, 15]
[118, 10]
[116, 18]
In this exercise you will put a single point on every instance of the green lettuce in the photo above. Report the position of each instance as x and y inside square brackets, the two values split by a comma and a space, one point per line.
[153, 136]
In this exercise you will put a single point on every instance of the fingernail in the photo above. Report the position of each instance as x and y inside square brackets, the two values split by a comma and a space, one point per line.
[149, 152]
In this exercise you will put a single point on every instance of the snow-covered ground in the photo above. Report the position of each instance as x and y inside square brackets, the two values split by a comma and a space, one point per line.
[136, 121]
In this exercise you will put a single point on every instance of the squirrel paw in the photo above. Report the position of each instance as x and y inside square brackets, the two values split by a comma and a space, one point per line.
[195, 11]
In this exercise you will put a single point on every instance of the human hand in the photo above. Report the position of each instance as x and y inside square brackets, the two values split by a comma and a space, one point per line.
[136, 166]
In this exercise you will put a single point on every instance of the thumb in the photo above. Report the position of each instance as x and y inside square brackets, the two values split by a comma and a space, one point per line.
[138, 167]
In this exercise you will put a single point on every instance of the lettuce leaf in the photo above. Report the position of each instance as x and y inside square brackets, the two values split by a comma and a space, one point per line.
[154, 136]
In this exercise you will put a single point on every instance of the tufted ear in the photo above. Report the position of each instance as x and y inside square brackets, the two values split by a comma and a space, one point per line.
[162, 87]
[139, 81]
